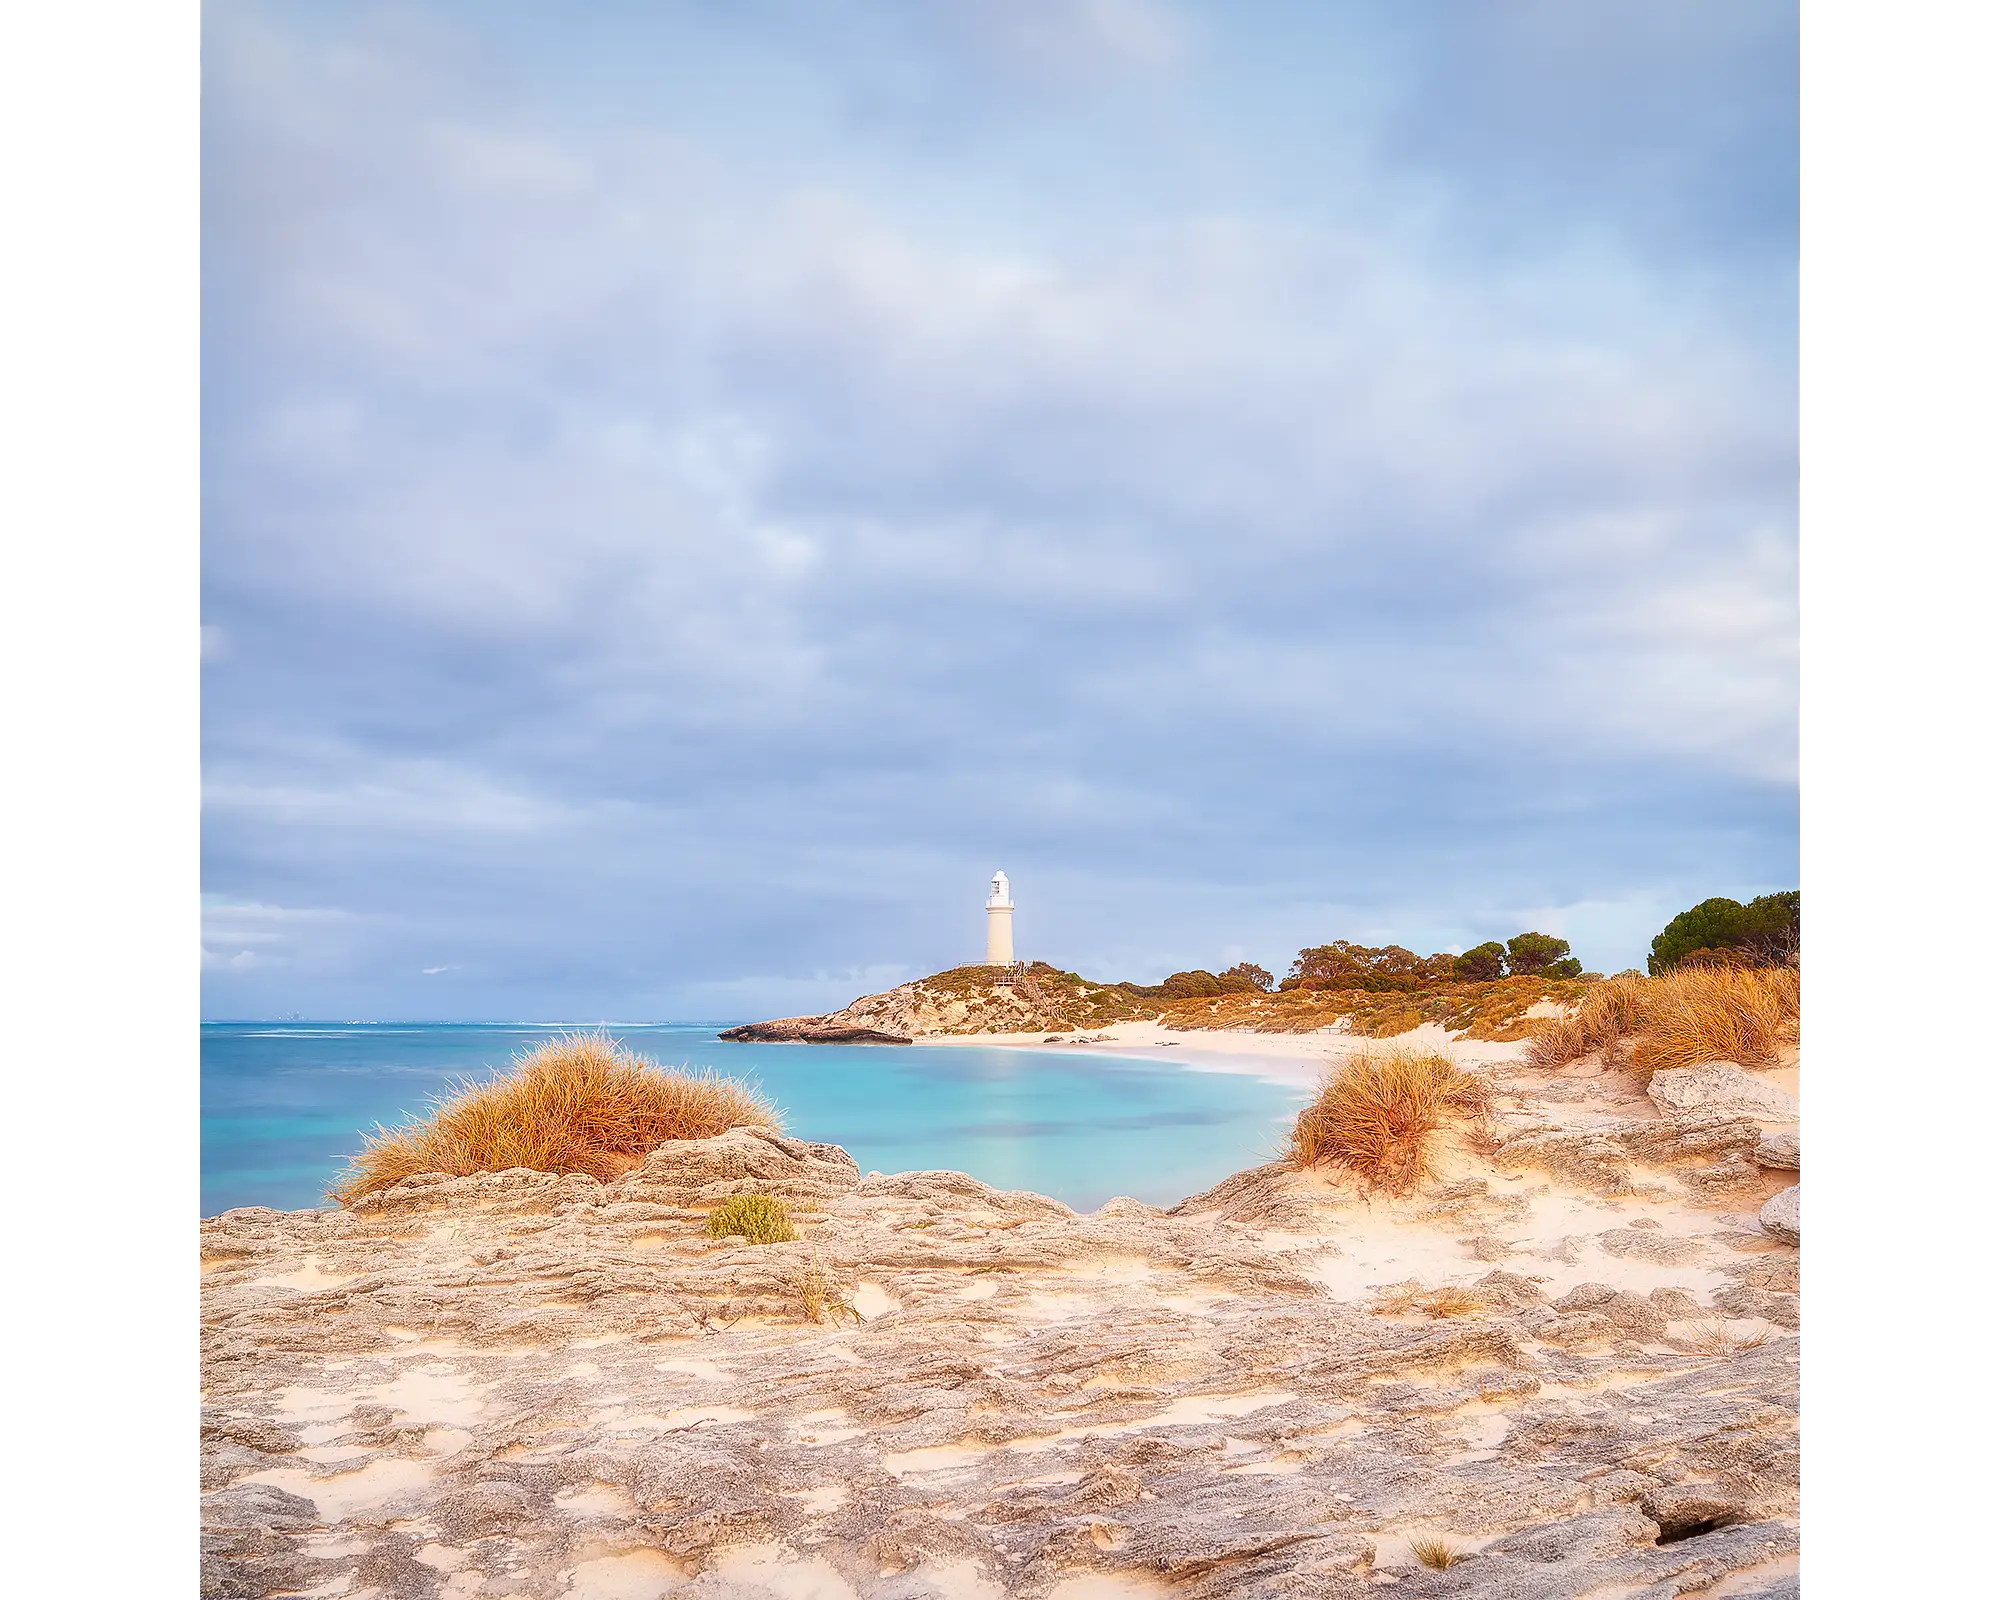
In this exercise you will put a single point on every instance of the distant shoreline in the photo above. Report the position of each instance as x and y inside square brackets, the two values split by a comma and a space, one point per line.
[1298, 1059]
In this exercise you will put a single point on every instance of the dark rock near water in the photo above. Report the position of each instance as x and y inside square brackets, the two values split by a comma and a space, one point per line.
[809, 1030]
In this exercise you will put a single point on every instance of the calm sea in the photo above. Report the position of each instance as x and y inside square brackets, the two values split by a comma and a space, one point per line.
[283, 1104]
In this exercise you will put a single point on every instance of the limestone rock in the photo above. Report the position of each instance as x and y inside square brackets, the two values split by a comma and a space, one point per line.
[1780, 1216]
[1263, 1197]
[1632, 1314]
[1741, 1300]
[1720, 1086]
[1690, 1509]
[1779, 1150]
[1677, 1305]
[1710, 1149]
[741, 1161]
[1651, 1245]
[538, 1386]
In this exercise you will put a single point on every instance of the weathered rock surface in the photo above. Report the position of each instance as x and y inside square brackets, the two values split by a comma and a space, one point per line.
[1780, 1216]
[1720, 1086]
[516, 1384]
[1778, 1150]
[1707, 1151]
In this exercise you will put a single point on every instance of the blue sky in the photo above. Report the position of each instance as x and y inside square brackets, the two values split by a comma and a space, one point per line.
[690, 489]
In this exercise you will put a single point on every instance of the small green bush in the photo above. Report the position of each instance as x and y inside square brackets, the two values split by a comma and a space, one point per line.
[758, 1217]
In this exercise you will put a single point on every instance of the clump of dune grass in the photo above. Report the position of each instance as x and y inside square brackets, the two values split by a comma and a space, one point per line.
[1747, 1015]
[577, 1103]
[1717, 1338]
[760, 1218]
[1699, 1013]
[1375, 1116]
[1437, 1304]
[1608, 1013]
[821, 1296]
[1435, 1552]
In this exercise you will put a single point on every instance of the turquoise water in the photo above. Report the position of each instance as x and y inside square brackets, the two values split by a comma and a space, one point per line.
[283, 1104]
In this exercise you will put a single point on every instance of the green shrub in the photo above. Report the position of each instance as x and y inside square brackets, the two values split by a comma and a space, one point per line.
[1244, 978]
[758, 1217]
[1765, 933]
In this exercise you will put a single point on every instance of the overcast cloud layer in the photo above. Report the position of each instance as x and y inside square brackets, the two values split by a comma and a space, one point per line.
[692, 489]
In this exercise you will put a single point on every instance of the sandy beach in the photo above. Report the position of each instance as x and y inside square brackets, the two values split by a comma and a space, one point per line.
[1299, 1059]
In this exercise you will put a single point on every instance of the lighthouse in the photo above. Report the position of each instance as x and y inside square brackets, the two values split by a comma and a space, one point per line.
[1000, 924]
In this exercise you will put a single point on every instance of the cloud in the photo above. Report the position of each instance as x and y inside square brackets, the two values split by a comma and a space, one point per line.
[663, 540]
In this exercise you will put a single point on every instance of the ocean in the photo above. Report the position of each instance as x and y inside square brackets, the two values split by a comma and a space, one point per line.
[284, 1104]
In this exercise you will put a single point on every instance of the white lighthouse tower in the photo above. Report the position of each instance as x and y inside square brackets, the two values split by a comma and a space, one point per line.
[1000, 924]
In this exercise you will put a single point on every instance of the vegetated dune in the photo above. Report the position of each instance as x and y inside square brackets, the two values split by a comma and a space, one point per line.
[1518, 1332]
[579, 1103]
[1746, 1015]
[1044, 999]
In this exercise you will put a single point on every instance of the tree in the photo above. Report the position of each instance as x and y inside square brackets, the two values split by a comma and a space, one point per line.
[1196, 985]
[1339, 965]
[1533, 954]
[1771, 928]
[1440, 968]
[1346, 965]
[1482, 963]
[1764, 933]
[1245, 976]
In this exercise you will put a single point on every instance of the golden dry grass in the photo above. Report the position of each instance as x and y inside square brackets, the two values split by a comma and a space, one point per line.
[1717, 1338]
[1608, 1013]
[578, 1103]
[1745, 1015]
[1376, 1115]
[1436, 1304]
[821, 1296]
[1435, 1552]
[1748, 1015]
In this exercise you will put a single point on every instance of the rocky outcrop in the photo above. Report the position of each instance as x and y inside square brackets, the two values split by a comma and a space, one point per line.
[965, 1000]
[1778, 1150]
[1780, 1216]
[828, 1029]
[555, 1388]
[742, 1161]
[1707, 1151]
[1040, 998]
[1720, 1086]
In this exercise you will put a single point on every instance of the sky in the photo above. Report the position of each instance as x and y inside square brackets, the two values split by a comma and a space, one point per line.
[690, 489]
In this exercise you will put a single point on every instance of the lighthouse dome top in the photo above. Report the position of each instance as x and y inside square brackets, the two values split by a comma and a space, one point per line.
[1001, 895]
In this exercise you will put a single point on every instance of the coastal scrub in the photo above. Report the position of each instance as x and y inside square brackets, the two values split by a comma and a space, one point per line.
[577, 1103]
[1699, 1013]
[760, 1218]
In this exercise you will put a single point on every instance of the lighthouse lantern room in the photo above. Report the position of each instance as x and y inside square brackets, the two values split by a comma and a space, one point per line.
[1000, 923]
